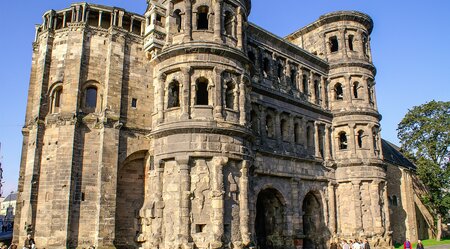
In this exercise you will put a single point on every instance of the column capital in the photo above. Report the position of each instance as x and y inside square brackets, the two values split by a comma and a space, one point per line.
[220, 160]
[182, 160]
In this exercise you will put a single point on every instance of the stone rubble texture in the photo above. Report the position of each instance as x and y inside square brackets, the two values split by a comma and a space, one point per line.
[190, 127]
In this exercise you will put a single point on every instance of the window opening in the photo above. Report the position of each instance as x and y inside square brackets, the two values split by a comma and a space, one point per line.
[229, 23]
[293, 77]
[252, 57]
[350, 42]
[91, 97]
[317, 91]
[229, 99]
[339, 92]
[305, 84]
[360, 139]
[202, 18]
[284, 129]
[343, 145]
[178, 22]
[202, 92]
[269, 126]
[254, 121]
[355, 89]
[133, 103]
[173, 95]
[334, 44]
[280, 70]
[266, 67]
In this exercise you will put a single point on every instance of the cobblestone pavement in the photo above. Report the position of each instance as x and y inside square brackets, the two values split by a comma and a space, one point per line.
[438, 247]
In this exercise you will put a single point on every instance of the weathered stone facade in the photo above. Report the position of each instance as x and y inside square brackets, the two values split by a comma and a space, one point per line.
[190, 127]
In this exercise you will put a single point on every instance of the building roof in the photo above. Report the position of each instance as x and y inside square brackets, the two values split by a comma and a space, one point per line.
[393, 155]
[11, 197]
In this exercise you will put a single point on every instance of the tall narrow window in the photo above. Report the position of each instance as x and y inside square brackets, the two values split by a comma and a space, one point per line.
[309, 136]
[266, 67]
[317, 91]
[91, 97]
[305, 84]
[364, 44]
[297, 133]
[202, 18]
[356, 90]
[269, 126]
[339, 91]
[202, 92]
[254, 121]
[284, 129]
[280, 70]
[173, 95]
[350, 42]
[375, 140]
[229, 98]
[252, 57]
[334, 44]
[229, 23]
[343, 145]
[371, 95]
[56, 98]
[293, 78]
[178, 21]
[360, 139]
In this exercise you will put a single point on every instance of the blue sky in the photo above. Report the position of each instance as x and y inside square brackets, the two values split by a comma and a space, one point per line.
[410, 45]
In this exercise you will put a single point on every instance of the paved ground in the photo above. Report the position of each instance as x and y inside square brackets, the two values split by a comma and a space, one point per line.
[438, 247]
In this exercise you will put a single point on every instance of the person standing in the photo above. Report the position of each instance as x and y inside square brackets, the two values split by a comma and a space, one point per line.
[366, 244]
[29, 242]
[345, 245]
[419, 245]
[407, 244]
[333, 245]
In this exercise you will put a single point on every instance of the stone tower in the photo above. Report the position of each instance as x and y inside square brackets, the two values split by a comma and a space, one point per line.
[200, 132]
[343, 39]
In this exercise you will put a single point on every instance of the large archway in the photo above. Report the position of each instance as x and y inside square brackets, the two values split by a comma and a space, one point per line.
[270, 220]
[313, 225]
[129, 200]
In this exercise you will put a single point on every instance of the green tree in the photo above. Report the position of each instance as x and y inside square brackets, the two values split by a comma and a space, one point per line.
[424, 134]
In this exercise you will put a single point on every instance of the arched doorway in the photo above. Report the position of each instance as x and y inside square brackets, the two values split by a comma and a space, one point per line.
[270, 220]
[129, 200]
[313, 226]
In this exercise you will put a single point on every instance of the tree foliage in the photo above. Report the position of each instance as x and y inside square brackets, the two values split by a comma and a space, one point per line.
[424, 134]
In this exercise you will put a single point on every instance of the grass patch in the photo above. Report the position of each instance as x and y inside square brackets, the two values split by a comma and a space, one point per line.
[428, 242]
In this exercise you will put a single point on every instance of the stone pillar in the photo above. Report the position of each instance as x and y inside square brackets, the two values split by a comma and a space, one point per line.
[64, 19]
[375, 206]
[218, 105]
[327, 149]
[240, 27]
[185, 89]
[348, 86]
[188, 22]
[343, 41]
[332, 208]
[159, 204]
[100, 13]
[324, 94]
[387, 218]
[277, 128]
[243, 102]
[169, 37]
[160, 97]
[311, 90]
[356, 192]
[217, 194]
[185, 189]
[121, 13]
[243, 204]
[316, 140]
[352, 139]
[370, 142]
[296, 218]
[218, 21]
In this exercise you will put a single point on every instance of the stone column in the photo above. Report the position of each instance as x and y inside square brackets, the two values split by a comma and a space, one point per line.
[218, 105]
[370, 142]
[375, 206]
[159, 204]
[324, 92]
[160, 97]
[240, 27]
[217, 194]
[185, 189]
[356, 192]
[277, 128]
[121, 13]
[296, 208]
[100, 13]
[243, 102]
[311, 90]
[184, 93]
[332, 207]
[188, 22]
[305, 133]
[327, 149]
[343, 41]
[64, 19]
[169, 12]
[352, 139]
[387, 218]
[348, 86]
[243, 204]
[218, 21]
[316, 140]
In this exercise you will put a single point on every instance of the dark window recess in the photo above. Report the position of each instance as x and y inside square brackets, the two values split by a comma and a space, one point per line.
[178, 22]
[305, 84]
[350, 42]
[355, 89]
[252, 57]
[339, 92]
[200, 228]
[202, 18]
[280, 70]
[296, 133]
[254, 121]
[134, 103]
[284, 129]
[343, 141]
[174, 95]
[266, 67]
[229, 98]
[202, 92]
[58, 98]
[229, 21]
[91, 97]
[293, 77]
[269, 127]
[360, 139]
[334, 44]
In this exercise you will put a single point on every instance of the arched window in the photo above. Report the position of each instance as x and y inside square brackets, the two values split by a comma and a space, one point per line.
[375, 140]
[266, 67]
[284, 126]
[350, 42]
[356, 90]
[280, 70]
[293, 77]
[254, 121]
[364, 44]
[305, 84]
[269, 127]
[339, 91]
[229, 23]
[230, 95]
[202, 96]
[178, 20]
[91, 97]
[309, 136]
[394, 200]
[317, 91]
[334, 44]
[343, 145]
[173, 99]
[202, 18]
[360, 139]
[56, 99]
